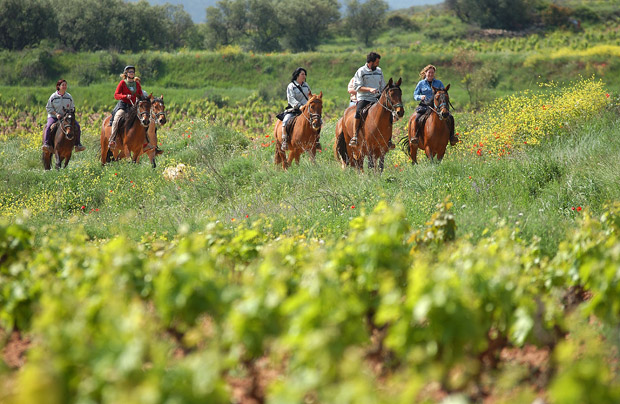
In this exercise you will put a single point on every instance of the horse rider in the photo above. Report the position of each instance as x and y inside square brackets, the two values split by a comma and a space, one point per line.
[59, 102]
[127, 92]
[368, 82]
[424, 93]
[297, 94]
[352, 92]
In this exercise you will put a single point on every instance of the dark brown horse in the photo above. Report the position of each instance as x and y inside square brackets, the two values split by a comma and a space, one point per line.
[64, 133]
[131, 135]
[303, 135]
[375, 132]
[436, 133]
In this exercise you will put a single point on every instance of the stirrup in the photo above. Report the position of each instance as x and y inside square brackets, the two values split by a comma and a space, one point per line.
[353, 141]
[158, 150]
[391, 145]
[414, 140]
[147, 147]
[318, 146]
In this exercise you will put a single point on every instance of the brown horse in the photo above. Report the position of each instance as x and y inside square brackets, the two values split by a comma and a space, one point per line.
[375, 131]
[436, 133]
[303, 135]
[131, 137]
[63, 139]
[158, 118]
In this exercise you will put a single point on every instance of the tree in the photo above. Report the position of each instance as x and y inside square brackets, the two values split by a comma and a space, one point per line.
[25, 22]
[226, 23]
[264, 28]
[502, 14]
[304, 30]
[366, 20]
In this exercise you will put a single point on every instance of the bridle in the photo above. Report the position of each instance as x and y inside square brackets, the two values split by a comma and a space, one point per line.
[313, 116]
[155, 118]
[67, 122]
[444, 103]
[143, 115]
[392, 108]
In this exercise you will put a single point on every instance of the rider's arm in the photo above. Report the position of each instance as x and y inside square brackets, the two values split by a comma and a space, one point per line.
[50, 107]
[290, 96]
[120, 93]
[417, 93]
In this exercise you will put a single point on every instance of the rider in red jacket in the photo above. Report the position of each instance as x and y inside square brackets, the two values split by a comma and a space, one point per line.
[127, 91]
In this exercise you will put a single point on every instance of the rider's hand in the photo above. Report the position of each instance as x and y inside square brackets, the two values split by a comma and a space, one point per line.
[57, 116]
[128, 97]
[422, 97]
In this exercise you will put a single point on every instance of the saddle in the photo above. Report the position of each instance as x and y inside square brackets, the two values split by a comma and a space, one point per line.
[291, 123]
[364, 111]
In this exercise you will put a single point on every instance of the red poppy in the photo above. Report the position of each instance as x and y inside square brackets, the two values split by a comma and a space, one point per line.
[573, 208]
[607, 95]
[352, 206]
[246, 216]
[479, 152]
[83, 207]
[579, 208]
[97, 210]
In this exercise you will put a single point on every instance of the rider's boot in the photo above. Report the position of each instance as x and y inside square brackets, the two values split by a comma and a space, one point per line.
[115, 127]
[391, 146]
[418, 127]
[78, 144]
[453, 138]
[47, 142]
[358, 124]
[284, 137]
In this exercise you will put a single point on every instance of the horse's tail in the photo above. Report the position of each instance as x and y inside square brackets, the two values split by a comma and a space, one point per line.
[403, 144]
[340, 147]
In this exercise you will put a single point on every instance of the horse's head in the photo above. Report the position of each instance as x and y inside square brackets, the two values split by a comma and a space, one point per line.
[315, 110]
[143, 110]
[441, 99]
[392, 99]
[158, 110]
[66, 122]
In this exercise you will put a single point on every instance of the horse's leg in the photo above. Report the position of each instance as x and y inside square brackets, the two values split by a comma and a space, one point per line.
[371, 162]
[429, 153]
[381, 163]
[312, 154]
[67, 160]
[58, 160]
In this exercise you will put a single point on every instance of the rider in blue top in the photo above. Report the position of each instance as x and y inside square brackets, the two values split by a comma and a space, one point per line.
[424, 93]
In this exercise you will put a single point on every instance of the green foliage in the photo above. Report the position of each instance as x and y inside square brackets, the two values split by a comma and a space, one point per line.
[366, 19]
[503, 14]
[25, 23]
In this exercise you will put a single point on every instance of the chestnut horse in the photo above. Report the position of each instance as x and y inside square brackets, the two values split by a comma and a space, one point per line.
[303, 135]
[374, 133]
[63, 140]
[158, 118]
[131, 137]
[436, 133]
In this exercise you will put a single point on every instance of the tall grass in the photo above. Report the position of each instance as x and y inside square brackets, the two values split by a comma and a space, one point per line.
[231, 178]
